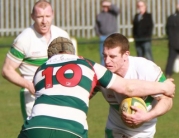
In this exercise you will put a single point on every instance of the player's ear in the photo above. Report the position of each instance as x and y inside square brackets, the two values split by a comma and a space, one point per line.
[127, 53]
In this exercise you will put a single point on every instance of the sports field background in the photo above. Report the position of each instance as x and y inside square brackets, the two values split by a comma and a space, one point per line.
[10, 115]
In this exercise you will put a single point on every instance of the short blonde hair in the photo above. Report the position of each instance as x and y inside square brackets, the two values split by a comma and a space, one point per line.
[42, 4]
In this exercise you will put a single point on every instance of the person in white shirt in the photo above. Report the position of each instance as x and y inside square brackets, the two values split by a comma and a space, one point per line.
[29, 51]
[118, 60]
[63, 85]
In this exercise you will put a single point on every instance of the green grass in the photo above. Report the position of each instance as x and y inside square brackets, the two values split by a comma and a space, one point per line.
[10, 115]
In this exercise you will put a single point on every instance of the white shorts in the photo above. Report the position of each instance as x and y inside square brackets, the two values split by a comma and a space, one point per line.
[27, 101]
[118, 134]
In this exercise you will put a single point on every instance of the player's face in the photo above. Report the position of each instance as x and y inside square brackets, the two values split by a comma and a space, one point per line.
[114, 60]
[43, 19]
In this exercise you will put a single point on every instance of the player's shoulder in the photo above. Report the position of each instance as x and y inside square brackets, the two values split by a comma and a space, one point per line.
[26, 33]
[25, 37]
[144, 67]
[53, 27]
[57, 29]
[90, 61]
[141, 63]
[85, 62]
[137, 61]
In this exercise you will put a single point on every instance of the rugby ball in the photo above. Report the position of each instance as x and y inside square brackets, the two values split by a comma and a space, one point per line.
[133, 101]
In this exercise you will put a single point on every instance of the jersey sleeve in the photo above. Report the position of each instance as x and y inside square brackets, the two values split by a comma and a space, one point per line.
[104, 76]
[151, 72]
[148, 70]
[16, 52]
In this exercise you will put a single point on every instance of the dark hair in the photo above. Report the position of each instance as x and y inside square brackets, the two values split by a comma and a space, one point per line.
[117, 40]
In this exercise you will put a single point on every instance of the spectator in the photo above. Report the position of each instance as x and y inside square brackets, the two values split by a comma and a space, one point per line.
[106, 23]
[29, 51]
[142, 31]
[63, 86]
[172, 31]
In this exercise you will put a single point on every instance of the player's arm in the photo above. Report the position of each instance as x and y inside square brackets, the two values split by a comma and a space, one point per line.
[132, 87]
[163, 105]
[95, 91]
[141, 88]
[9, 72]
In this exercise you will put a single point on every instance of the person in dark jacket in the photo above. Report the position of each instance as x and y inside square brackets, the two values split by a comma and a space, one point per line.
[142, 31]
[106, 23]
[172, 31]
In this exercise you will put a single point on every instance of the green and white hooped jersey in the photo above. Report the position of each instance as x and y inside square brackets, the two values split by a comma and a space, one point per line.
[142, 69]
[63, 86]
[30, 49]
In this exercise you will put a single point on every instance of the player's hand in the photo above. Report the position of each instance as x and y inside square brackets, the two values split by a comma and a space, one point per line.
[30, 87]
[169, 87]
[137, 118]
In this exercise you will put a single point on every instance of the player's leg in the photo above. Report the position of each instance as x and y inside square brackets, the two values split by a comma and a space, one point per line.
[108, 133]
[35, 133]
[45, 133]
[114, 134]
[27, 102]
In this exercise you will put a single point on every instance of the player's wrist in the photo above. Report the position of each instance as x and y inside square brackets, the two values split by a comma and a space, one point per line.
[150, 115]
[168, 87]
[27, 84]
[164, 88]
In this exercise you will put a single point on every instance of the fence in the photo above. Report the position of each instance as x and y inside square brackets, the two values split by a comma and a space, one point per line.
[77, 17]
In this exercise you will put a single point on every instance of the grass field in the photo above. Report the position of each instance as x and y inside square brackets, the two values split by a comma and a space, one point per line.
[10, 115]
